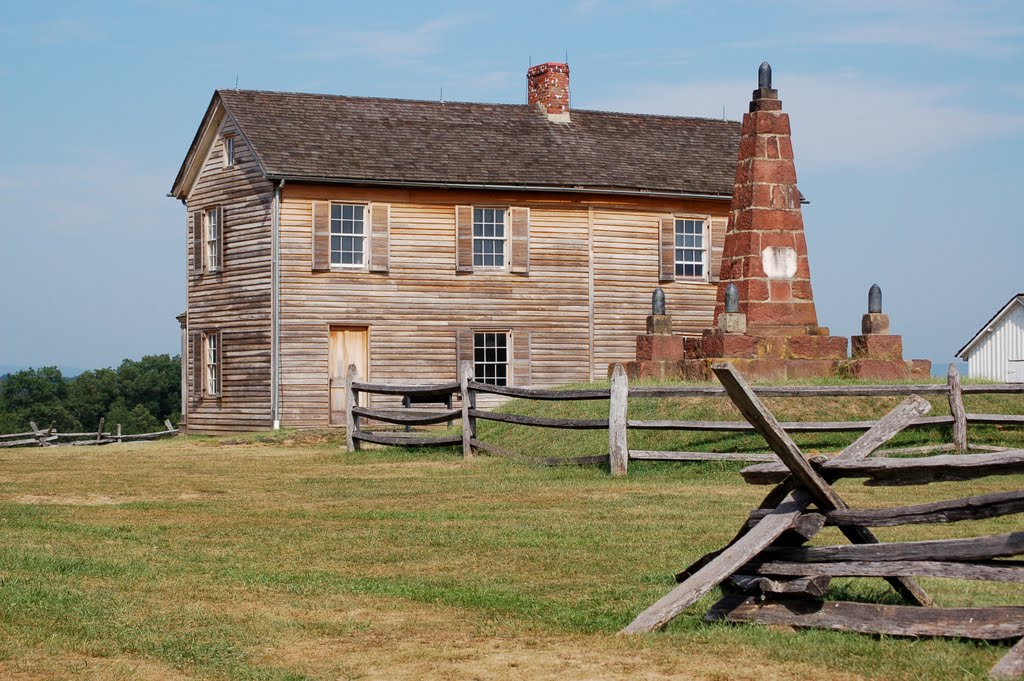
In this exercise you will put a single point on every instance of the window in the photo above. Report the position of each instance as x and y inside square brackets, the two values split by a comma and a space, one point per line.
[212, 239]
[211, 343]
[690, 247]
[348, 232]
[489, 237]
[229, 151]
[490, 357]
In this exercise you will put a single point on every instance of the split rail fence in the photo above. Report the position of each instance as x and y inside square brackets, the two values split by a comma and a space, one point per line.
[618, 424]
[768, 577]
[50, 437]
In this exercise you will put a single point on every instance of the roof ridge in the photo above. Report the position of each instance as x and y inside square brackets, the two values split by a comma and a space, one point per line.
[455, 102]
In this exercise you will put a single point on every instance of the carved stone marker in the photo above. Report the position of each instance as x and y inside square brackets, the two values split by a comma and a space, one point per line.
[732, 320]
[658, 322]
[875, 322]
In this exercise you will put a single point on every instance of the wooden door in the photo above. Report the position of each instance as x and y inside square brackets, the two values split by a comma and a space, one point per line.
[349, 345]
[1015, 371]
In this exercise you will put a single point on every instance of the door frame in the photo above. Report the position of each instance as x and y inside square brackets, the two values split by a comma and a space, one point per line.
[363, 397]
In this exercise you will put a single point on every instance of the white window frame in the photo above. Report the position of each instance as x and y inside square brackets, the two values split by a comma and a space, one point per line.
[680, 247]
[212, 233]
[229, 151]
[364, 235]
[503, 239]
[212, 363]
[483, 362]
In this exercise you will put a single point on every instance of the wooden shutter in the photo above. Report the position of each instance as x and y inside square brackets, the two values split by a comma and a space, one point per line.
[220, 237]
[521, 358]
[196, 223]
[667, 250]
[520, 260]
[321, 233]
[463, 347]
[380, 236]
[197, 367]
[717, 228]
[463, 238]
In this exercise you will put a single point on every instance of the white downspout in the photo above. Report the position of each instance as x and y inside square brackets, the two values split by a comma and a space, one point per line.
[275, 312]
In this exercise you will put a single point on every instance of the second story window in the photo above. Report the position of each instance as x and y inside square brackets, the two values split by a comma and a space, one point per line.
[489, 237]
[348, 235]
[212, 239]
[229, 151]
[691, 247]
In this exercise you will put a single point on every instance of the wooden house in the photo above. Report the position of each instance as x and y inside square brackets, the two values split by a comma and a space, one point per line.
[996, 351]
[403, 236]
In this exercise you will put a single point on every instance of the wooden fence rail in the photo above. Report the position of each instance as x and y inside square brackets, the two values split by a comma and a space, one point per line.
[618, 424]
[52, 438]
[769, 576]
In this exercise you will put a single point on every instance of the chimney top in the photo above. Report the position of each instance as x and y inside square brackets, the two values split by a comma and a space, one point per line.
[548, 89]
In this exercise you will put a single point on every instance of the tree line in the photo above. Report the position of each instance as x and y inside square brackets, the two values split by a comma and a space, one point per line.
[137, 394]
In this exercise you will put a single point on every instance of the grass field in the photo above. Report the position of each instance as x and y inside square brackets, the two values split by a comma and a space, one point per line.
[284, 557]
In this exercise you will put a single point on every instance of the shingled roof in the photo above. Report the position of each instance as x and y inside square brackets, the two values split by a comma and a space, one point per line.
[396, 141]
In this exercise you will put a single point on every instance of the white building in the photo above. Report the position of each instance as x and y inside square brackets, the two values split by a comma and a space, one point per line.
[996, 352]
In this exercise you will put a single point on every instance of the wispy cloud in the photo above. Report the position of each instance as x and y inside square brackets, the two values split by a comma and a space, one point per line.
[389, 46]
[955, 27]
[842, 121]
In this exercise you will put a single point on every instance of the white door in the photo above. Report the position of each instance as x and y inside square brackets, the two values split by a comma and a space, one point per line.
[349, 345]
[1015, 371]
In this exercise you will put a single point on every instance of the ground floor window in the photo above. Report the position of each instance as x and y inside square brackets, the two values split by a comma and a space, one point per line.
[490, 357]
[211, 343]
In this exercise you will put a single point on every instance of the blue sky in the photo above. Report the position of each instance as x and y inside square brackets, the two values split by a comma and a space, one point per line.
[908, 119]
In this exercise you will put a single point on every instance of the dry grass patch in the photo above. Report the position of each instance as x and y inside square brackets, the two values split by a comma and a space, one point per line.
[290, 562]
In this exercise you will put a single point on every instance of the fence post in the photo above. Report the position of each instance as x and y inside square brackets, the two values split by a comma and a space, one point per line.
[99, 432]
[119, 440]
[618, 447]
[468, 402]
[956, 408]
[351, 400]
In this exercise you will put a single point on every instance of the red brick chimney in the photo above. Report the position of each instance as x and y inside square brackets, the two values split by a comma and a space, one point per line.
[548, 89]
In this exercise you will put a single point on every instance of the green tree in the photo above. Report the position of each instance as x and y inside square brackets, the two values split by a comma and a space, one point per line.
[136, 419]
[91, 394]
[36, 395]
[154, 382]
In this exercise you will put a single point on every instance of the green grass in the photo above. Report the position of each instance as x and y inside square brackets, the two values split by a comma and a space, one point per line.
[281, 556]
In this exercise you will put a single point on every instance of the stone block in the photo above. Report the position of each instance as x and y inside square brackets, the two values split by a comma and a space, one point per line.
[817, 347]
[874, 323]
[732, 322]
[718, 345]
[695, 370]
[693, 348]
[659, 348]
[877, 347]
[879, 369]
[760, 369]
[659, 324]
[812, 368]
[920, 368]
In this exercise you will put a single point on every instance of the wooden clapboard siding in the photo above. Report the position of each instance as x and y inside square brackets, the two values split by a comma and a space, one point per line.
[626, 272]
[235, 300]
[415, 310]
